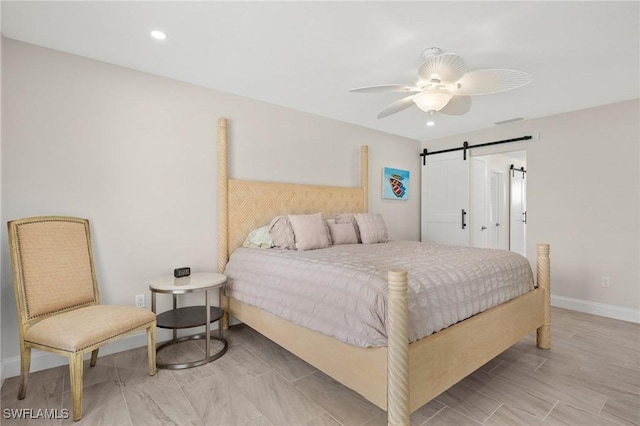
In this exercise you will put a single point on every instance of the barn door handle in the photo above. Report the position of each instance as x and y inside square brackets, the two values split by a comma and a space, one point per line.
[464, 225]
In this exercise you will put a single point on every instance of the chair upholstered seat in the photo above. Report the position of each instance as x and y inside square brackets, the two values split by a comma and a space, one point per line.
[79, 329]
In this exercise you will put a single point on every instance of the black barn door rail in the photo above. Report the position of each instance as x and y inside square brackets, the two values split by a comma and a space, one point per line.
[465, 146]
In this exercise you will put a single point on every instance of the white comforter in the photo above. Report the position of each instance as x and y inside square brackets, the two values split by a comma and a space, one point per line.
[341, 291]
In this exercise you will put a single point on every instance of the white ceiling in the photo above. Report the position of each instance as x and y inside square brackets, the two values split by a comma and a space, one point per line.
[307, 55]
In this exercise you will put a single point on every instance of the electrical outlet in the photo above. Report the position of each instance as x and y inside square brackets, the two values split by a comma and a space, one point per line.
[140, 301]
[606, 282]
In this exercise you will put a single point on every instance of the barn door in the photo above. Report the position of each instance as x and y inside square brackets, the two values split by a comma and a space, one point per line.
[445, 199]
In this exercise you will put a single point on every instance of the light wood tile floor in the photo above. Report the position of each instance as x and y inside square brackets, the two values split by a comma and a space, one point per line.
[591, 376]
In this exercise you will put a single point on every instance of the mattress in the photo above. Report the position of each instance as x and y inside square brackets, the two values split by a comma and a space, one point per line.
[341, 291]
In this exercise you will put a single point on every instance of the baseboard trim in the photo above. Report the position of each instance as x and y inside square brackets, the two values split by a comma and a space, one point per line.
[42, 360]
[595, 308]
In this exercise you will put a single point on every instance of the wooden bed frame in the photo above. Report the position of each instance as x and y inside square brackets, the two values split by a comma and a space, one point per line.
[400, 377]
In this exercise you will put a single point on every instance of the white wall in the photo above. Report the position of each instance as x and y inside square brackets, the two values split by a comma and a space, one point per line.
[135, 153]
[583, 196]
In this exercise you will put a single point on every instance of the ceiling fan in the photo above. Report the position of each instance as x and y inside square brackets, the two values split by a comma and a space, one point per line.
[445, 86]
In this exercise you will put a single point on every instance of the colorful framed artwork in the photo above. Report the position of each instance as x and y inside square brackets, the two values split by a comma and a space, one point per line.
[395, 184]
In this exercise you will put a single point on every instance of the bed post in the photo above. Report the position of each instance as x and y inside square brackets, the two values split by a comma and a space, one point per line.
[223, 223]
[543, 272]
[364, 176]
[398, 412]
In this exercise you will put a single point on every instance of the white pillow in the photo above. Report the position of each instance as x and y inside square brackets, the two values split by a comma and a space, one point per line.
[281, 233]
[258, 238]
[310, 231]
[372, 228]
[349, 218]
[343, 233]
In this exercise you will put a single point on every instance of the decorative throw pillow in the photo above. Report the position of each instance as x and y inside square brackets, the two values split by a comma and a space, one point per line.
[310, 231]
[281, 233]
[349, 218]
[343, 233]
[258, 238]
[372, 228]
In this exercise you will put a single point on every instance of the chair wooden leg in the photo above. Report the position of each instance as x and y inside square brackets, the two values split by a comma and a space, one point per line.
[25, 366]
[94, 357]
[75, 370]
[151, 349]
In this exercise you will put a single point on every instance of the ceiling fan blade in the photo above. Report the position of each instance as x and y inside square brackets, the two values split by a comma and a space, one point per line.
[386, 88]
[458, 105]
[446, 67]
[397, 106]
[485, 82]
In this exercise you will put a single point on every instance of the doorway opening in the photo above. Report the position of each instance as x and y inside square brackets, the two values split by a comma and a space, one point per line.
[498, 201]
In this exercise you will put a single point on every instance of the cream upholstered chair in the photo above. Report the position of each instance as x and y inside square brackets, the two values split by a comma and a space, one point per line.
[57, 298]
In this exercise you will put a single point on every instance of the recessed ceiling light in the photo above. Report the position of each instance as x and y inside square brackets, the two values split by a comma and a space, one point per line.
[431, 123]
[158, 35]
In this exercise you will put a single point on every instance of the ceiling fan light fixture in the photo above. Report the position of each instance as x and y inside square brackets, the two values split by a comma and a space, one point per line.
[444, 85]
[433, 100]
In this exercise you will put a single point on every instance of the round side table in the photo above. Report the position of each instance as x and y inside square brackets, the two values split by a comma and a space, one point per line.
[190, 316]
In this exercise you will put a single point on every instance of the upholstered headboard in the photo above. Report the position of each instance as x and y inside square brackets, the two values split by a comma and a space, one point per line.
[246, 205]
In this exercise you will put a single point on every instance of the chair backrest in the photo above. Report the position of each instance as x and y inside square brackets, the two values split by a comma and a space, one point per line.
[53, 268]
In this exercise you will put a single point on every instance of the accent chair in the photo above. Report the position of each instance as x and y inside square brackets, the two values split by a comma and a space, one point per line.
[58, 302]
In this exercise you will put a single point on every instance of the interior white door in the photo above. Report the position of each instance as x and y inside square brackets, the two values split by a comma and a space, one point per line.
[478, 223]
[518, 207]
[496, 194]
[445, 199]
